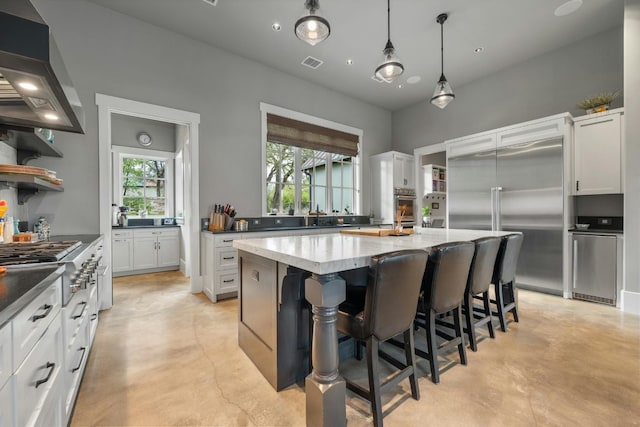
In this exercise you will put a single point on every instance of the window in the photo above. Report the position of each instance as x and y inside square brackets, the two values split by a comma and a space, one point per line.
[143, 181]
[309, 164]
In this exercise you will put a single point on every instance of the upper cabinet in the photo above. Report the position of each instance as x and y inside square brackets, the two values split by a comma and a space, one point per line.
[598, 148]
[403, 173]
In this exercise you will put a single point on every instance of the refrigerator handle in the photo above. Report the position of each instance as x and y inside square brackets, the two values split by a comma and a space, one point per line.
[575, 260]
[498, 209]
[493, 208]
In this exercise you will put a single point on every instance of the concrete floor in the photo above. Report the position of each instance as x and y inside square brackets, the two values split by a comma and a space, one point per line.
[163, 356]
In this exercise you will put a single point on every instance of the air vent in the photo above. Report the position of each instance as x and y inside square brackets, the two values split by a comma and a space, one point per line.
[211, 2]
[593, 298]
[378, 79]
[312, 62]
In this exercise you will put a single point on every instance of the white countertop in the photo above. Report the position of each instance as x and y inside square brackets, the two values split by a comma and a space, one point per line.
[332, 253]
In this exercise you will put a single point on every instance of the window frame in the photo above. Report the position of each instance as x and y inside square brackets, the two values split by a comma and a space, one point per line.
[357, 160]
[120, 152]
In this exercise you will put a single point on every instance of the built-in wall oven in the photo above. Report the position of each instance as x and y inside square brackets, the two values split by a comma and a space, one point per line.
[405, 205]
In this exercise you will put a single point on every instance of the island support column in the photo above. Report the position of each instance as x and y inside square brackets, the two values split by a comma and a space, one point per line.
[324, 388]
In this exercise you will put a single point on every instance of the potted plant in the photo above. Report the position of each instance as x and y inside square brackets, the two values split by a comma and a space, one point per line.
[598, 103]
[426, 216]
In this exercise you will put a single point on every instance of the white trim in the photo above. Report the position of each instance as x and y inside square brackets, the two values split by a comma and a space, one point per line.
[419, 172]
[142, 152]
[107, 105]
[630, 302]
[296, 115]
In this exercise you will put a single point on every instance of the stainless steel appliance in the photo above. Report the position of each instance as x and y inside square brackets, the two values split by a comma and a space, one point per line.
[597, 259]
[405, 202]
[515, 188]
[35, 88]
[81, 260]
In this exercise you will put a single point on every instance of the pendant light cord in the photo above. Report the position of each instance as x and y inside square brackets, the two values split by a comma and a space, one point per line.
[388, 20]
[441, 48]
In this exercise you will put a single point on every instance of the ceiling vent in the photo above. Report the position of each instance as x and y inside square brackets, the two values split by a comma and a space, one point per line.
[211, 2]
[312, 62]
[378, 79]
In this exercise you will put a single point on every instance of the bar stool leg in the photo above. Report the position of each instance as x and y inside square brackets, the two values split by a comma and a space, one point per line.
[502, 317]
[374, 381]
[457, 321]
[411, 361]
[471, 330]
[487, 312]
[432, 345]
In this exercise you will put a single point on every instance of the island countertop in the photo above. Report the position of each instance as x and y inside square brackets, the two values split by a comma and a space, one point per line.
[331, 253]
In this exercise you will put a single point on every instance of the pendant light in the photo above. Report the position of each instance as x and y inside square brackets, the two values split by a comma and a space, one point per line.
[312, 28]
[390, 68]
[443, 94]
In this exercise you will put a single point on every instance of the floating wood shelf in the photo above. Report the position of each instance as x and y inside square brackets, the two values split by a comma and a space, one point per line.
[28, 185]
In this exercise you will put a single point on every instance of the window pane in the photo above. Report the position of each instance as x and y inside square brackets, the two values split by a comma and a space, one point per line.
[337, 201]
[280, 170]
[135, 204]
[318, 198]
[347, 172]
[271, 194]
[288, 198]
[154, 169]
[156, 207]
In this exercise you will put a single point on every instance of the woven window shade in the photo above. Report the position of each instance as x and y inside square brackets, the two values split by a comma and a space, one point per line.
[287, 131]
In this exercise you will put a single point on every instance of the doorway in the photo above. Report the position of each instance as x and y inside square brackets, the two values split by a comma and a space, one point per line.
[431, 183]
[186, 148]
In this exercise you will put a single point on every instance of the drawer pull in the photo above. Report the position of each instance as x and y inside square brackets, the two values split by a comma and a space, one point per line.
[47, 308]
[83, 350]
[51, 367]
[227, 241]
[229, 281]
[94, 316]
[228, 257]
[84, 306]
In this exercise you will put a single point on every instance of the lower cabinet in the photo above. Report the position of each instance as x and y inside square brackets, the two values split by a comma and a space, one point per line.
[145, 250]
[6, 403]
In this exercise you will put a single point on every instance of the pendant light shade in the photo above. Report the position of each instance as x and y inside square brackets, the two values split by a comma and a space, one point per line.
[390, 68]
[312, 28]
[443, 94]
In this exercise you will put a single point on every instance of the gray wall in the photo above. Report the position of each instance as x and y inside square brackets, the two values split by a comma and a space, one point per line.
[125, 130]
[542, 86]
[631, 300]
[110, 53]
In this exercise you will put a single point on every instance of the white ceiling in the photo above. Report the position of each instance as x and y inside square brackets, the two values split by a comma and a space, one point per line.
[510, 31]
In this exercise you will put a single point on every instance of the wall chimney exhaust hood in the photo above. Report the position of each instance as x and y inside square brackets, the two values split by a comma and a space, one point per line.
[35, 88]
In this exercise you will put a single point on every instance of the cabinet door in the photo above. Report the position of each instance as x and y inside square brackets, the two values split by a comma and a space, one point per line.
[145, 253]
[168, 251]
[409, 173]
[597, 155]
[227, 281]
[399, 180]
[206, 266]
[122, 255]
[6, 404]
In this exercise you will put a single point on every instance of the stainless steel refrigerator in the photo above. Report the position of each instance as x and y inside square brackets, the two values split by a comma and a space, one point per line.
[515, 188]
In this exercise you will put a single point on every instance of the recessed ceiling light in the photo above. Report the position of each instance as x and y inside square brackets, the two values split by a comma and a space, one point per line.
[349, 61]
[276, 26]
[568, 7]
[400, 86]
[478, 49]
[51, 116]
[28, 86]
[413, 80]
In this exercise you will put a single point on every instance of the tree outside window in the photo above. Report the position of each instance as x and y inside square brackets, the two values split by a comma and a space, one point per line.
[144, 185]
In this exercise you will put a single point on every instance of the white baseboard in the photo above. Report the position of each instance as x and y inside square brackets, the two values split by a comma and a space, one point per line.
[183, 267]
[630, 302]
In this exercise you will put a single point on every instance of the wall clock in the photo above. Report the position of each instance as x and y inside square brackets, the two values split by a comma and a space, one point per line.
[144, 139]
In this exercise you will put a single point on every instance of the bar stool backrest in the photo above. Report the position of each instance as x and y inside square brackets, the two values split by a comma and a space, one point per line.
[392, 292]
[446, 275]
[482, 266]
[507, 261]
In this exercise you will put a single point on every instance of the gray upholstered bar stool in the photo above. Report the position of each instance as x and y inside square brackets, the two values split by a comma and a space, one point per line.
[443, 286]
[504, 278]
[478, 284]
[387, 310]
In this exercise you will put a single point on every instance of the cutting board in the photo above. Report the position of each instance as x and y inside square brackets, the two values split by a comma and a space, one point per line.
[375, 232]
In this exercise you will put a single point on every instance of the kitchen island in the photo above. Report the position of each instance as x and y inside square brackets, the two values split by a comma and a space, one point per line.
[271, 325]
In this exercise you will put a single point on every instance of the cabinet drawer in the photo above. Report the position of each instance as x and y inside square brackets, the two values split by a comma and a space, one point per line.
[224, 241]
[168, 232]
[75, 360]
[121, 234]
[227, 282]
[33, 320]
[74, 316]
[5, 355]
[39, 375]
[226, 258]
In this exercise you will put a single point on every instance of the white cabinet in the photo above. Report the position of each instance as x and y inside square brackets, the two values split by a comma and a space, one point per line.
[206, 264]
[598, 154]
[122, 250]
[403, 173]
[145, 250]
[6, 382]
[6, 404]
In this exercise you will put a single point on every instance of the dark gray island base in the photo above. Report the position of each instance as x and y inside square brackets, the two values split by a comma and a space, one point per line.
[272, 329]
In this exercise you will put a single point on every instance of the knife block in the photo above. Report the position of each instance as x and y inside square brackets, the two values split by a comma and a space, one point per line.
[216, 222]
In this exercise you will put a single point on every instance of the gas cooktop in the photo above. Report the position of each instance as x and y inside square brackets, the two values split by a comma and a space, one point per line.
[30, 253]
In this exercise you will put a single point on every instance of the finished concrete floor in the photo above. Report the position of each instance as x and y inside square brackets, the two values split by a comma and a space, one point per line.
[163, 356]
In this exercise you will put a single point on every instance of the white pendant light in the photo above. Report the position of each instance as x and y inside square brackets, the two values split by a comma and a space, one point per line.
[443, 94]
[312, 28]
[390, 68]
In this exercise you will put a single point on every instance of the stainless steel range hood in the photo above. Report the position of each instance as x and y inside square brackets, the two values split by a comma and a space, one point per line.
[35, 88]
